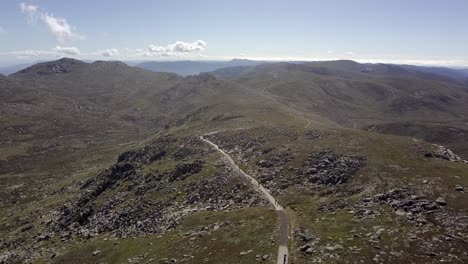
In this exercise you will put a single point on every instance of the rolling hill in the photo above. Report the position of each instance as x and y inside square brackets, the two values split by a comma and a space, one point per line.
[103, 162]
[361, 95]
[185, 68]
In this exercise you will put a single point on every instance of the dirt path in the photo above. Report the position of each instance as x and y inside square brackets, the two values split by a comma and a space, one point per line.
[283, 243]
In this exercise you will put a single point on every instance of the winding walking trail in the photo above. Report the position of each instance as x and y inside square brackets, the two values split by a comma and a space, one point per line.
[283, 243]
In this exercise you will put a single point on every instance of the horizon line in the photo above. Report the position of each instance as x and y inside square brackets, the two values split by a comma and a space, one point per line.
[454, 64]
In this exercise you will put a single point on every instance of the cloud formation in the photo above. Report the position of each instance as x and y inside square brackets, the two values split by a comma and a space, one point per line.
[58, 51]
[57, 26]
[71, 51]
[179, 49]
[176, 49]
[110, 52]
[2, 30]
[31, 12]
[23, 54]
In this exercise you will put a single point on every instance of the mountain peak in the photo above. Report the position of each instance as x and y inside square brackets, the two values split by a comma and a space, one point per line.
[64, 65]
[61, 66]
[67, 60]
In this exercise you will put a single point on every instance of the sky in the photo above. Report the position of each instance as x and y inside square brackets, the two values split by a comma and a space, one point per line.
[427, 32]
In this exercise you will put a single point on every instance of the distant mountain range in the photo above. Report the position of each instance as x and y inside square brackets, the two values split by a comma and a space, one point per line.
[188, 67]
[7, 70]
[460, 74]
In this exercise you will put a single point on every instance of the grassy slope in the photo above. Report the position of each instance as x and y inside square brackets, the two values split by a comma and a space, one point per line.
[203, 105]
[363, 95]
[250, 229]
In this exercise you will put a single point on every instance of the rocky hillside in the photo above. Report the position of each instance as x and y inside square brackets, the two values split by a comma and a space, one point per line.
[148, 191]
[355, 199]
[103, 163]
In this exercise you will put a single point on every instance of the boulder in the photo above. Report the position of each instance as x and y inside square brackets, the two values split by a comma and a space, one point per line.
[441, 201]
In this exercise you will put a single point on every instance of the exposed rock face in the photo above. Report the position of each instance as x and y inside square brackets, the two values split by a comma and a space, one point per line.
[120, 213]
[146, 155]
[323, 168]
[332, 168]
[307, 241]
[105, 180]
[276, 159]
[182, 171]
[63, 67]
[213, 194]
[406, 203]
[444, 153]
[313, 134]
[128, 213]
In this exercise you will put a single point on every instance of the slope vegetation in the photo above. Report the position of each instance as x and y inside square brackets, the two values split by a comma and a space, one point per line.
[361, 95]
[104, 163]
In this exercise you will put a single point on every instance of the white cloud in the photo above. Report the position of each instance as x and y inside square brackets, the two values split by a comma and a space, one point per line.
[60, 28]
[179, 48]
[110, 52]
[57, 26]
[21, 54]
[54, 52]
[31, 11]
[71, 51]
[27, 8]
[349, 53]
[2, 30]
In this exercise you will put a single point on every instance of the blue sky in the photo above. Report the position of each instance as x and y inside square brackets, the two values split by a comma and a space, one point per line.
[400, 31]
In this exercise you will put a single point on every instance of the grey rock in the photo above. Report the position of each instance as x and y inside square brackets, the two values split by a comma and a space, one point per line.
[305, 247]
[243, 253]
[400, 212]
[441, 201]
